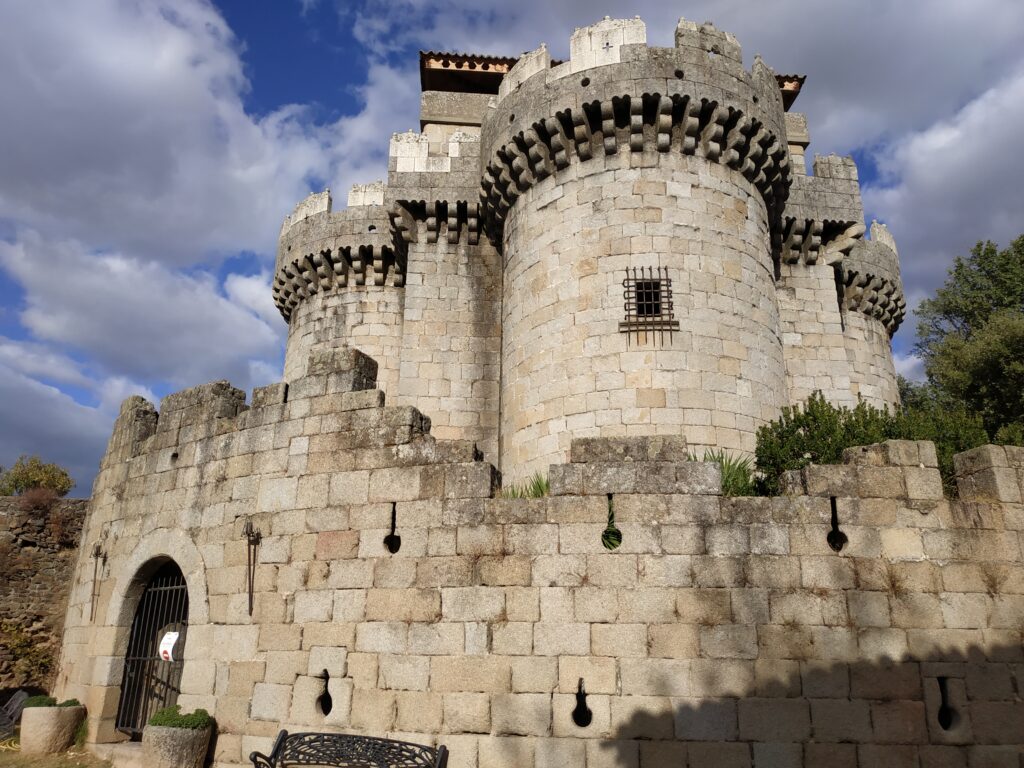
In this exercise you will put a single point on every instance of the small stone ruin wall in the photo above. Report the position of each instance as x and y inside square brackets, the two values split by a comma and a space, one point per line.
[38, 548]
[861, 620]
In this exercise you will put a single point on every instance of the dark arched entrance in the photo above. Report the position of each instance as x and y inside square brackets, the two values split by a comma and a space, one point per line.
[152, 676]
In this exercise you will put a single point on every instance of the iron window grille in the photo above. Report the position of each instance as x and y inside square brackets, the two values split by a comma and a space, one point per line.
[647, 298]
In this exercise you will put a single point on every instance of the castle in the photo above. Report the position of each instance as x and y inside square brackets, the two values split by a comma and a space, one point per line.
[587, 269]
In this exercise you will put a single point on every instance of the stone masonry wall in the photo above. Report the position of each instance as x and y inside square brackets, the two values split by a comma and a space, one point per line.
[450, 343]
[38, 548]
[861, 620]
[869, 352]
[567, 370]
[813, 334]
[368, 318]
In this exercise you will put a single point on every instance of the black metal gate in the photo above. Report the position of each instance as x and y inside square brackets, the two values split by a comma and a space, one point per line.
[150, 681]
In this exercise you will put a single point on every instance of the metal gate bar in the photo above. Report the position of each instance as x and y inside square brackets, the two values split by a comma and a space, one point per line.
[150, 683]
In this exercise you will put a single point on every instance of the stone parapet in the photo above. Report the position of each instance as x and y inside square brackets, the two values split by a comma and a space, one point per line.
[991, 473]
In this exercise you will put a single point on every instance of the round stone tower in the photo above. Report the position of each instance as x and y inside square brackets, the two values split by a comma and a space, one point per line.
[338, 281]
[632, 192]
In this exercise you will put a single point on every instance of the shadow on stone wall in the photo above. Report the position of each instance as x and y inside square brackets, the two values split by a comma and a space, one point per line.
[953, 708]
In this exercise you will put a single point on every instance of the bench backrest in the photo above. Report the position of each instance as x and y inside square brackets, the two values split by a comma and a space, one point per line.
[12, 708]
[345, 750]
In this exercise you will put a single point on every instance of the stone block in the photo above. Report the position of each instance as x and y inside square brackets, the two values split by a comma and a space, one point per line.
[730, 641]
[706, 719]
[419, 711]
[534, 674]
[923, 483]
[558, 753]
[831, 480]
[505, 751]
[406, 673]
[599, 675]
[980, 458]
[467, 712]
[521, 714]
[642, 717]
[485, 674]
[841, 720]
[774, 720]
[779, 755]
[271, 702]
[699, 478]
[374, 711]
[561, 639]
[718, 755]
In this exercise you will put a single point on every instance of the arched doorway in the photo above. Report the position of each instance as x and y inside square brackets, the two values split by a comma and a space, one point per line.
[155, 654]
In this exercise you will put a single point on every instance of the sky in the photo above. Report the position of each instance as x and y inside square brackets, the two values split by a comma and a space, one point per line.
[151, 148]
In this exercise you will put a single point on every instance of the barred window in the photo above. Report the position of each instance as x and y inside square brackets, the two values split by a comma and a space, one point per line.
[647, 298]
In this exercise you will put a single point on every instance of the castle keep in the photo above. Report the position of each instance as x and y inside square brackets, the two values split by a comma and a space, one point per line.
[626, 243]
[584, 268]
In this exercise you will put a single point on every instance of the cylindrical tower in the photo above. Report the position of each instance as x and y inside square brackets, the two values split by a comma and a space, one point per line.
[632, 191]
[339, 282]
[874, 308]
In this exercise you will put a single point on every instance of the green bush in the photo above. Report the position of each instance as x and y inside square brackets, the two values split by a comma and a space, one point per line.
[1010, 434]
[30, 472]
[171, 717]
[40, 701]
[819, 432]
[70, 703]
[737, 472]
[816, 433]
[950, 427]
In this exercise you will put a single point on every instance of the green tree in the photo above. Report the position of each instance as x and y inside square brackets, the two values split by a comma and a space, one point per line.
[986, 370]
[985, 282]
[971, 338]
[31, 472]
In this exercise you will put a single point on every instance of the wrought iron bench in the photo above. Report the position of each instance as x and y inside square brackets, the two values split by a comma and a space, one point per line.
[344, 750]
[10, 712]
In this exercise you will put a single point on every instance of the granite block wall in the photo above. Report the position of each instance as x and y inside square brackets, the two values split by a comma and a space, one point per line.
[862, 616]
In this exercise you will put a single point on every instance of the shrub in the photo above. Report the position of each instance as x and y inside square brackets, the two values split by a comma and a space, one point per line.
[819, 432]
[171, 717]
[737, 472]
[950, 427]
[816, 433]
[37, 499]
[40, 701]
[1010, 434]
[30, 472]
[535, 488]
[70, 703]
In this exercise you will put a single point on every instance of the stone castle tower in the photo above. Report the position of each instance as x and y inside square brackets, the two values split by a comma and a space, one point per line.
[626, 243]
[595, 264]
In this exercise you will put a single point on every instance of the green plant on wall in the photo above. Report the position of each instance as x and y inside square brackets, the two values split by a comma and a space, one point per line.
[535, 488]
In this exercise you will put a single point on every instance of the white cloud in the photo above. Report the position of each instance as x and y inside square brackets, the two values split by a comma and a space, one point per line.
[41, 362]
[135, 318]
[909, 366]
[39, 419]
[954, 183]
[132, 133]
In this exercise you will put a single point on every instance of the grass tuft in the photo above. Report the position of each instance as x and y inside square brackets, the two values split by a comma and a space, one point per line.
[537, 487]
